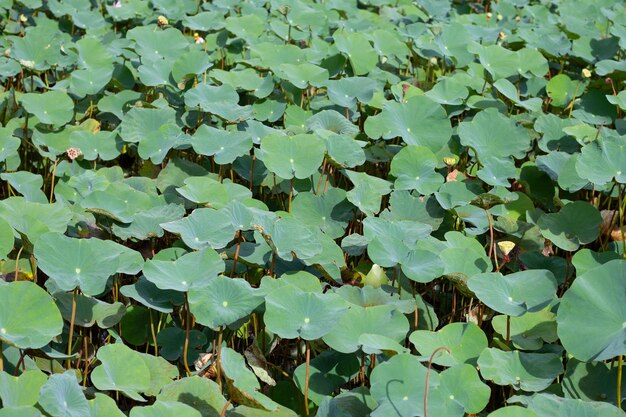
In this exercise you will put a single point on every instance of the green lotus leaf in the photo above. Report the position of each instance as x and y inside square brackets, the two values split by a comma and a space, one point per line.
[448, 91]
[189, 65]
[224, 145]
[21, 391]
[247, 79]
[91, 261]
[53, 107]
[591, 381]
[331, 121]
[296, 156]
[89, 310]
[343, 150]
[585, 260]
[464, 340]
[329, 211]
[39, 49]
[503, 63]
[146, 224]
[165, 409]
[203, 228]
[103, 404]
[104, 145]
[528, 331]
[562, 90]
[7, 238]
[151, 44]
[354, 403]
[346, 91]
[414, 169]
[28, 316]
[245, 411]
[248, 26]
[358, 321]
[205, 190]
[148, 294]
[221, 101]
[491, 134]
[119, 201]
[497, 171]
[223, 302]
[422, 265]
[592, 313]
[291, 313]
[512, 411]
[367, 192]
[20, 411]
[390, 241]
[362, 56]
[327, 372]
[463, 257]
[8, 144]
[301, 280]
[162, 373]
[603, 160]
[193, 270]
[202, 394]
[27, 184]
[61, 396]
[302, 75]
[517, 293]
[96, 68]
[121, 369]
[291, 237]
[398, 386]
[418, 121]
[546, 405]
[241, 383]
[457, 193]
[525, 371]
[578, 223]
[171, 341]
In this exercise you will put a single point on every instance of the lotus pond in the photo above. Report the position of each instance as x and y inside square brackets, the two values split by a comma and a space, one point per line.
[331, 208]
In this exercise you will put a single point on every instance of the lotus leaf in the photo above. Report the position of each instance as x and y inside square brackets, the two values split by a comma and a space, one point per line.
[62, 396]
[296, 156]
[193, 270]
[21, 391]
[465, 341]
[577, 223]
[28, 316]
[200, 393]
[122, 369]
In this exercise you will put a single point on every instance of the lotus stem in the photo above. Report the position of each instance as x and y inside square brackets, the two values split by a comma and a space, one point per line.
[1, 357]
[187, 327]
[154, 339]
[306, 379]
[508, 330]
[430, 362]
[218, 366]
[619, 381]
[72, 318]
[223, 413]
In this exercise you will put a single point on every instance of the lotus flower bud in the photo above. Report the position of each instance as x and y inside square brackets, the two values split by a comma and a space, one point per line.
[586, 73]
[162, 21]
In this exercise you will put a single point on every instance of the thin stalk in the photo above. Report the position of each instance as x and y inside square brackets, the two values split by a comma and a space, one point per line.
[218, 366]
[306, 379]
[1, 357]
[223, 413]
[430, 362]
[232, 272]
[187, 327]
[619, 381]
[621, 217]
[508, 330]
[290, 194]
[54, 172]
[152, 331]
[72, 318]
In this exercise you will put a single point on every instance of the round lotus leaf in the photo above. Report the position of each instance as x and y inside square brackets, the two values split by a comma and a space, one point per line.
[61, 396]
[517, 293]
[165, 409]
[592, 313]
[343, 150]
[224, 145]
[414, 169]
[221, 101]
[162, 373]
[346, 91]
[330, 212]
[562, 90]
[367, 192]
[121, 369]
[28, 316]
[34, 219]
[369, 296]
[548, 405]
[354, 403]
[358, 321]
[578, 223]
[526, 371]
[362, 56]
[53, 107]
[27, 184]
[291, 237]
[464, 340]
[492, 135]
[89, 310]
[327, 372]
[202, 394]
[203, 228]
[105, 405]
[7, 238]
[148, 294]
[301, 75]
[591, 381]
[205, 190]
[331, 121]
[418, 121]
[422, 265]
[530, 330]
[603, 160]
[292, 313]
[296, 156]
[512, 411]
[119, 201]
[192, 270]
[223, 301]
[84, 263]
[21, 391]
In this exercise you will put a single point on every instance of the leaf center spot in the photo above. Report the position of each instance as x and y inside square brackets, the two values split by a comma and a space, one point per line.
[405, 398]
[184, 282]
[451, 397]
[3, 330]
[225, 303]
[291, 160]
[408, 129]
[77, 270]
[307, 320]
[510, 298]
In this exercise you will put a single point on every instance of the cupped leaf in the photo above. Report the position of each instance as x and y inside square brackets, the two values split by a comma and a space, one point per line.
[28, 316]
[592, 313]
[517, 293]
[192, 270]
[202, 394]
[465, 342]
[296, 156]
[61, 396]
[578, 223]
[121, 369]
[53, 107]
[414, 169]
[21, 391]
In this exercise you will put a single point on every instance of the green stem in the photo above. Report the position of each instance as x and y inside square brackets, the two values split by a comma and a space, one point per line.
[619, 381]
